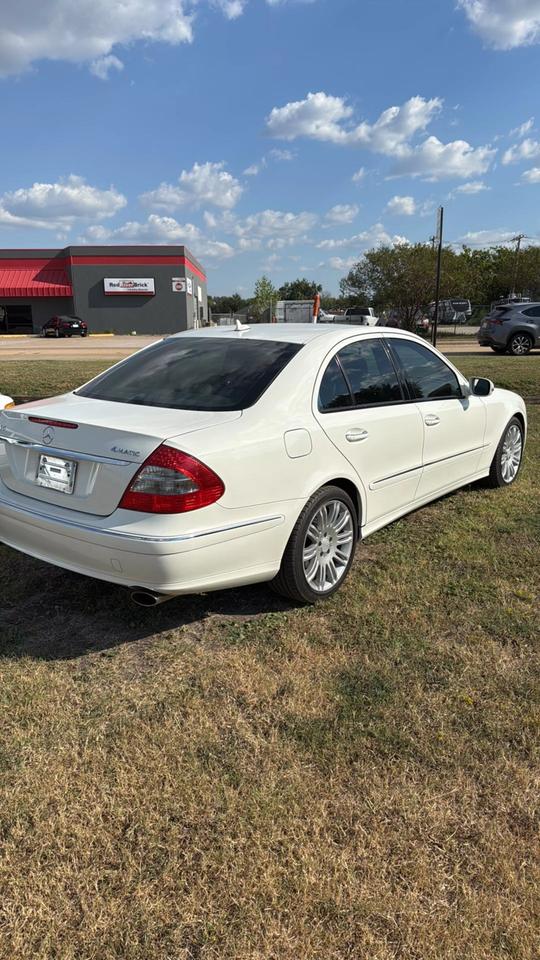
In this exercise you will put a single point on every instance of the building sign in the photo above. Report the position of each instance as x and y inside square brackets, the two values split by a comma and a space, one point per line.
[189, 283]
[178, 285]
[118, 286]
[199, 293]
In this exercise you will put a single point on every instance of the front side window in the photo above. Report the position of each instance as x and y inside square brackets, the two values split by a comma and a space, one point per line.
[195, 373]
[370, 373]
[427, 376]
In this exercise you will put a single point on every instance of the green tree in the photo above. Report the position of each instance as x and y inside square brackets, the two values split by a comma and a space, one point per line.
[265, 297]
[402, 278]
[300, 289]
[231, 304]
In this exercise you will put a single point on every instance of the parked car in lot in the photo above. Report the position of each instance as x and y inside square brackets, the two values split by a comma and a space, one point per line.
[64, 327]
[363, 316]
[5, 401]
[225, 456]
[511, 328]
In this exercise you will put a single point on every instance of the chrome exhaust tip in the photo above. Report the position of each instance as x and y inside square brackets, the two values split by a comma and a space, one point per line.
[145, 598]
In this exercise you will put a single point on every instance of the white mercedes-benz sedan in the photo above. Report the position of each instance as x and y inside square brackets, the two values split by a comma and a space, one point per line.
[229, 456]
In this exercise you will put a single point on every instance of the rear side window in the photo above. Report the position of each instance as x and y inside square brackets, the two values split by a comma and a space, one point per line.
[370, 373]
[334, 392]
[427, 376]
[195, 373]
[532, 312]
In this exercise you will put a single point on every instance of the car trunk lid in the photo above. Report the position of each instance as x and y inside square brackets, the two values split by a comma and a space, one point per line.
[89, 449]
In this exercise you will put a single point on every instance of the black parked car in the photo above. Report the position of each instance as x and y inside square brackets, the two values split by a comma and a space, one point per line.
[64, 327]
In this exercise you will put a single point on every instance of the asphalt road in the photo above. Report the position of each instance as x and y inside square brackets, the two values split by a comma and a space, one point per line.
[118, 347]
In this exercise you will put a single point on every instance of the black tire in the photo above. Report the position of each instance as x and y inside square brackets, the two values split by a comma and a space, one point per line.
[520, 344]
[499, 349]
[497, 471]
[291, 580]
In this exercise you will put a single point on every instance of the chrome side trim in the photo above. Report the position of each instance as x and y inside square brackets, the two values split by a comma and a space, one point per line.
[134, 537]
[69, 454]
[430, 463]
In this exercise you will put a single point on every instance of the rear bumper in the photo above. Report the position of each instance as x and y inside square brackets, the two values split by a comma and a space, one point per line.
[238, 551]
[487, 340]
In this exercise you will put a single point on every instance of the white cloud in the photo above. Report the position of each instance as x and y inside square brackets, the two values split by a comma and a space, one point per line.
[272, 229]
[275, 228]
[401, 206]
[276, 155]
[474, 186]
[532, 175]
[318, 117]
[85, 30]
[343, 213]
[486, 237]
[359, 175]
[338, 263]
[204, 183]
[282, 156]
[504, 24]
[90, 31]
[160, 230]
[397, 125]
[434, 160]
[231, 8]
[102, 67]
[523, 129]
[54, 206]
[344, 264]
[526, 150]
[328, 118]
[373, 237]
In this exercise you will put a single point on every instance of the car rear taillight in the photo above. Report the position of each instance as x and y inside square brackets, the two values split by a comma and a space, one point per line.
[170, 481]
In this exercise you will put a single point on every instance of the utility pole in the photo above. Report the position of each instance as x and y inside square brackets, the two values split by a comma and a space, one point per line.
[439, 238]
[517, 240]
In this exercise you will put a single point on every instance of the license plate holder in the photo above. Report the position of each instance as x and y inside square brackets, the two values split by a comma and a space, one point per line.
[55, 473]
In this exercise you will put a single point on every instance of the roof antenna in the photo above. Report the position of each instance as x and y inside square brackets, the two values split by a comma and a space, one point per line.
[239, 326]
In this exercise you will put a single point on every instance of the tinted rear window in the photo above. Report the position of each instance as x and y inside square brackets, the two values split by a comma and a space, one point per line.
[195, 373]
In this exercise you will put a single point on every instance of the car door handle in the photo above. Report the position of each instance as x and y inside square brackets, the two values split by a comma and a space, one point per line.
[431, 420]
[356, 436]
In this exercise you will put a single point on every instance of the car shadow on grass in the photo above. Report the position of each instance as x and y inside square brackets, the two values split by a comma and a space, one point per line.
[52, 614]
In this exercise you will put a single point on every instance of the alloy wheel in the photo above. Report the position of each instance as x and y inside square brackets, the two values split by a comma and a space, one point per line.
[328, 546]
[520, 344]
[511, 453]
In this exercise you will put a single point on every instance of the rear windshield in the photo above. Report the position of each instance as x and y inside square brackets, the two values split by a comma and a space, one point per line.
[195, 373]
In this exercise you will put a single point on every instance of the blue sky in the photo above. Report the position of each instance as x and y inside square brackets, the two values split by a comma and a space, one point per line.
[275, 136]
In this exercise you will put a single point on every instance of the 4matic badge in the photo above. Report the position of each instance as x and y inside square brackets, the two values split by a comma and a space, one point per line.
[126, 453]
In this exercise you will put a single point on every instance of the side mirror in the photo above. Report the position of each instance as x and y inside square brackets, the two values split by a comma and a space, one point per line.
[481, 387]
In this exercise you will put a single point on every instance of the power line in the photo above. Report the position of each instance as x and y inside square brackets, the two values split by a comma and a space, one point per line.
[483, 243]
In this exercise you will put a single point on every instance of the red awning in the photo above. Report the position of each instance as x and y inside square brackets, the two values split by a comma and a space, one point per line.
[36, 282]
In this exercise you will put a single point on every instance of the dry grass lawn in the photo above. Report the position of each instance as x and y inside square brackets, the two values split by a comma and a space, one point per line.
[233, 778]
